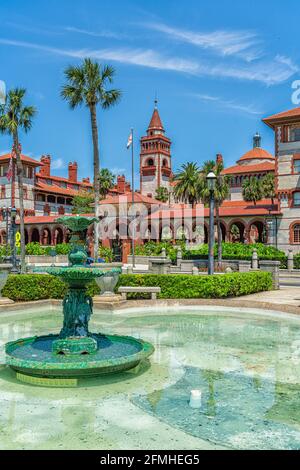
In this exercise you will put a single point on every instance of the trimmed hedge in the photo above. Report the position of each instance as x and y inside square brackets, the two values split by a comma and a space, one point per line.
[186, 286]
[24, 287]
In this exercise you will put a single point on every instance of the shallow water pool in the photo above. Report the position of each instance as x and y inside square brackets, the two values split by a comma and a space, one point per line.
[247, 366]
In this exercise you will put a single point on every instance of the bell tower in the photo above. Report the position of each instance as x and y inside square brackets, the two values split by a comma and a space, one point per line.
[155, 157]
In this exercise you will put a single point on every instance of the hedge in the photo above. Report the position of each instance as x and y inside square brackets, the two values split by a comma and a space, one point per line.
[185, 286]
[24, 287]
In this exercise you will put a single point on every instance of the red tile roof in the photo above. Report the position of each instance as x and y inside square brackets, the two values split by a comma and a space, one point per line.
[227, 209]
[243, 169]
[24, 158]
[155, 122]
[56, 189]
[293, 114]
[64, 180]
[257, 153]
[127, 198]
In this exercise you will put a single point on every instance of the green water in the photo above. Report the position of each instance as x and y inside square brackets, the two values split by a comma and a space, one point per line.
[246, 365]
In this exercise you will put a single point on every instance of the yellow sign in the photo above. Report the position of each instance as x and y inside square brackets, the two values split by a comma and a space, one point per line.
[18, 239]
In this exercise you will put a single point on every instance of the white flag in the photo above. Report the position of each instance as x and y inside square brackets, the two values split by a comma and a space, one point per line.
[129, 142]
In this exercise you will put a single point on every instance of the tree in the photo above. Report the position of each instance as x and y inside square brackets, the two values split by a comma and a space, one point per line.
[107, 180]
[16, 117]
[268, 186]
[162, 194]
[252, 190]
[221, 193]
[187, 187]
[82, 203]
[87, 85]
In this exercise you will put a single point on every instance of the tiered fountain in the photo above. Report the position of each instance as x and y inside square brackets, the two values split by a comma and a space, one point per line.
[60, 359]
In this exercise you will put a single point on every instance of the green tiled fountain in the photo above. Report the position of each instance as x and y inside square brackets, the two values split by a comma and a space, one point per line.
[60, 359]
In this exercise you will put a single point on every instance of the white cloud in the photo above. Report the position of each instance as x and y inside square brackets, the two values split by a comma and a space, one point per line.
[57, 164]
[248, 109]
[269, 72]
[101, 34]
[240, 43]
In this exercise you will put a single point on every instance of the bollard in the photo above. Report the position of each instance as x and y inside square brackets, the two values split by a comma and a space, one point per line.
[254, 259]
[290, 260]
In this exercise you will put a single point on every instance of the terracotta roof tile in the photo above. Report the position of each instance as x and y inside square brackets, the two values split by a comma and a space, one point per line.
[24, 158]
[291, 113]
[155, 122]
[243, 169]
[257, 153]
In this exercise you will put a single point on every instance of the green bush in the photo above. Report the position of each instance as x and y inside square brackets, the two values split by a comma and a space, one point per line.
[62, 248]
[238, 251]
[24, 287]
[106, 253]
[185, 286]
[152, 248]
[34, 248]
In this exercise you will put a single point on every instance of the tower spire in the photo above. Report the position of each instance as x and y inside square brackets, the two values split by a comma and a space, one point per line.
[256, 140]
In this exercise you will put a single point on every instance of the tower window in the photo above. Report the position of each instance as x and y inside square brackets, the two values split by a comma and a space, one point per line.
[296, 166]
[150, 162]
[296, 198]
[165, 163]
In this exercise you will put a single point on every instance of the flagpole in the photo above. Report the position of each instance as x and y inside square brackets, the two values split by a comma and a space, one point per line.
[132, 183]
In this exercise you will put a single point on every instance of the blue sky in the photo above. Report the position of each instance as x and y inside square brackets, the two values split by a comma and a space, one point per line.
[217, 68]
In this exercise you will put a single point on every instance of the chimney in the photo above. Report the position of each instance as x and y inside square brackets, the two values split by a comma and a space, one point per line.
[121, 184]
[46, 165]
[72, 172]
[219, 159]
[86, 180]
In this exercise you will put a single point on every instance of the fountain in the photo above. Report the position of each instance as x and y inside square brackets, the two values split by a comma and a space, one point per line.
[60, 359]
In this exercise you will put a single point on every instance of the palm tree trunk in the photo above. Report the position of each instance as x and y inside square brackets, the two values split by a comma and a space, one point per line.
[21, 200]
[219, 235]
[96, 175]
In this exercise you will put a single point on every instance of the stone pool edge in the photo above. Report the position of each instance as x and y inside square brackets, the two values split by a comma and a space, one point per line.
[129, 304]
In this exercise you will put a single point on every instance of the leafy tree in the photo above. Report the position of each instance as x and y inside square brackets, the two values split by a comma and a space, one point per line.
[107, 180]
[82, 203]
[221, 193]
[268, 186]
[162, 194]
[187, 188]
[16, 117]
[87, 85]
[252, 189]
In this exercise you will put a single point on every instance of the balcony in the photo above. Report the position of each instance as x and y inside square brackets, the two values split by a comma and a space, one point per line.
[166, 171]
[148, 170]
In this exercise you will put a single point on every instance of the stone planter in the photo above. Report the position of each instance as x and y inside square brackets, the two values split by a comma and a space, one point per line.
[107, 283]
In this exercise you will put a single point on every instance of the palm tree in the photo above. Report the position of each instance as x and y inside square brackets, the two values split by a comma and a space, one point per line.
[162, 194]
[16, 117]
[252, 190]
[268, 186]
[87, 85]
[107, 181]
[187, 188]
[221, 193]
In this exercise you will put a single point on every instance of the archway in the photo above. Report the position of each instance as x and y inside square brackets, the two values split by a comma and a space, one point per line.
[237, 232]
[58, 236]
[35, 235]
[257, 232]
[46, 236]
[223, 231]
[26, 236]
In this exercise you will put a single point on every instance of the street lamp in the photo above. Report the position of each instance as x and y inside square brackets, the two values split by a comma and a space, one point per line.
[211, 183]
[13, 215]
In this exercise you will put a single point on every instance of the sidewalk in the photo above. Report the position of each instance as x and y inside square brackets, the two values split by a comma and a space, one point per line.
[283, 296]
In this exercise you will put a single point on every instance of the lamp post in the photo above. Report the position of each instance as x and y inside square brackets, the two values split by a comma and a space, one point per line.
[211, 183]
[13, 215]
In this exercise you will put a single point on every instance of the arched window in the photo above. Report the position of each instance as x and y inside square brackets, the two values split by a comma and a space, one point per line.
[296, 233]
[150, 162]
[165, 163]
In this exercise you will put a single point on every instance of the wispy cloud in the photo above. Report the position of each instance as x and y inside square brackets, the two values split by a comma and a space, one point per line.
[269, 72]
[243, 44]
[57, 164]
[100, 34]
[220, 102]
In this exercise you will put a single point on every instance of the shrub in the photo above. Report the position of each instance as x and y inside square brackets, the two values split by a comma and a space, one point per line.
[155, 248]
[185, 286]
[34, 248]
[62, 248]
[238, 251]
[24, 287]
[106, 253]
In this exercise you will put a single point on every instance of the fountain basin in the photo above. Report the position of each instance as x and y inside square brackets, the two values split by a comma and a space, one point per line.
[33, 356]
